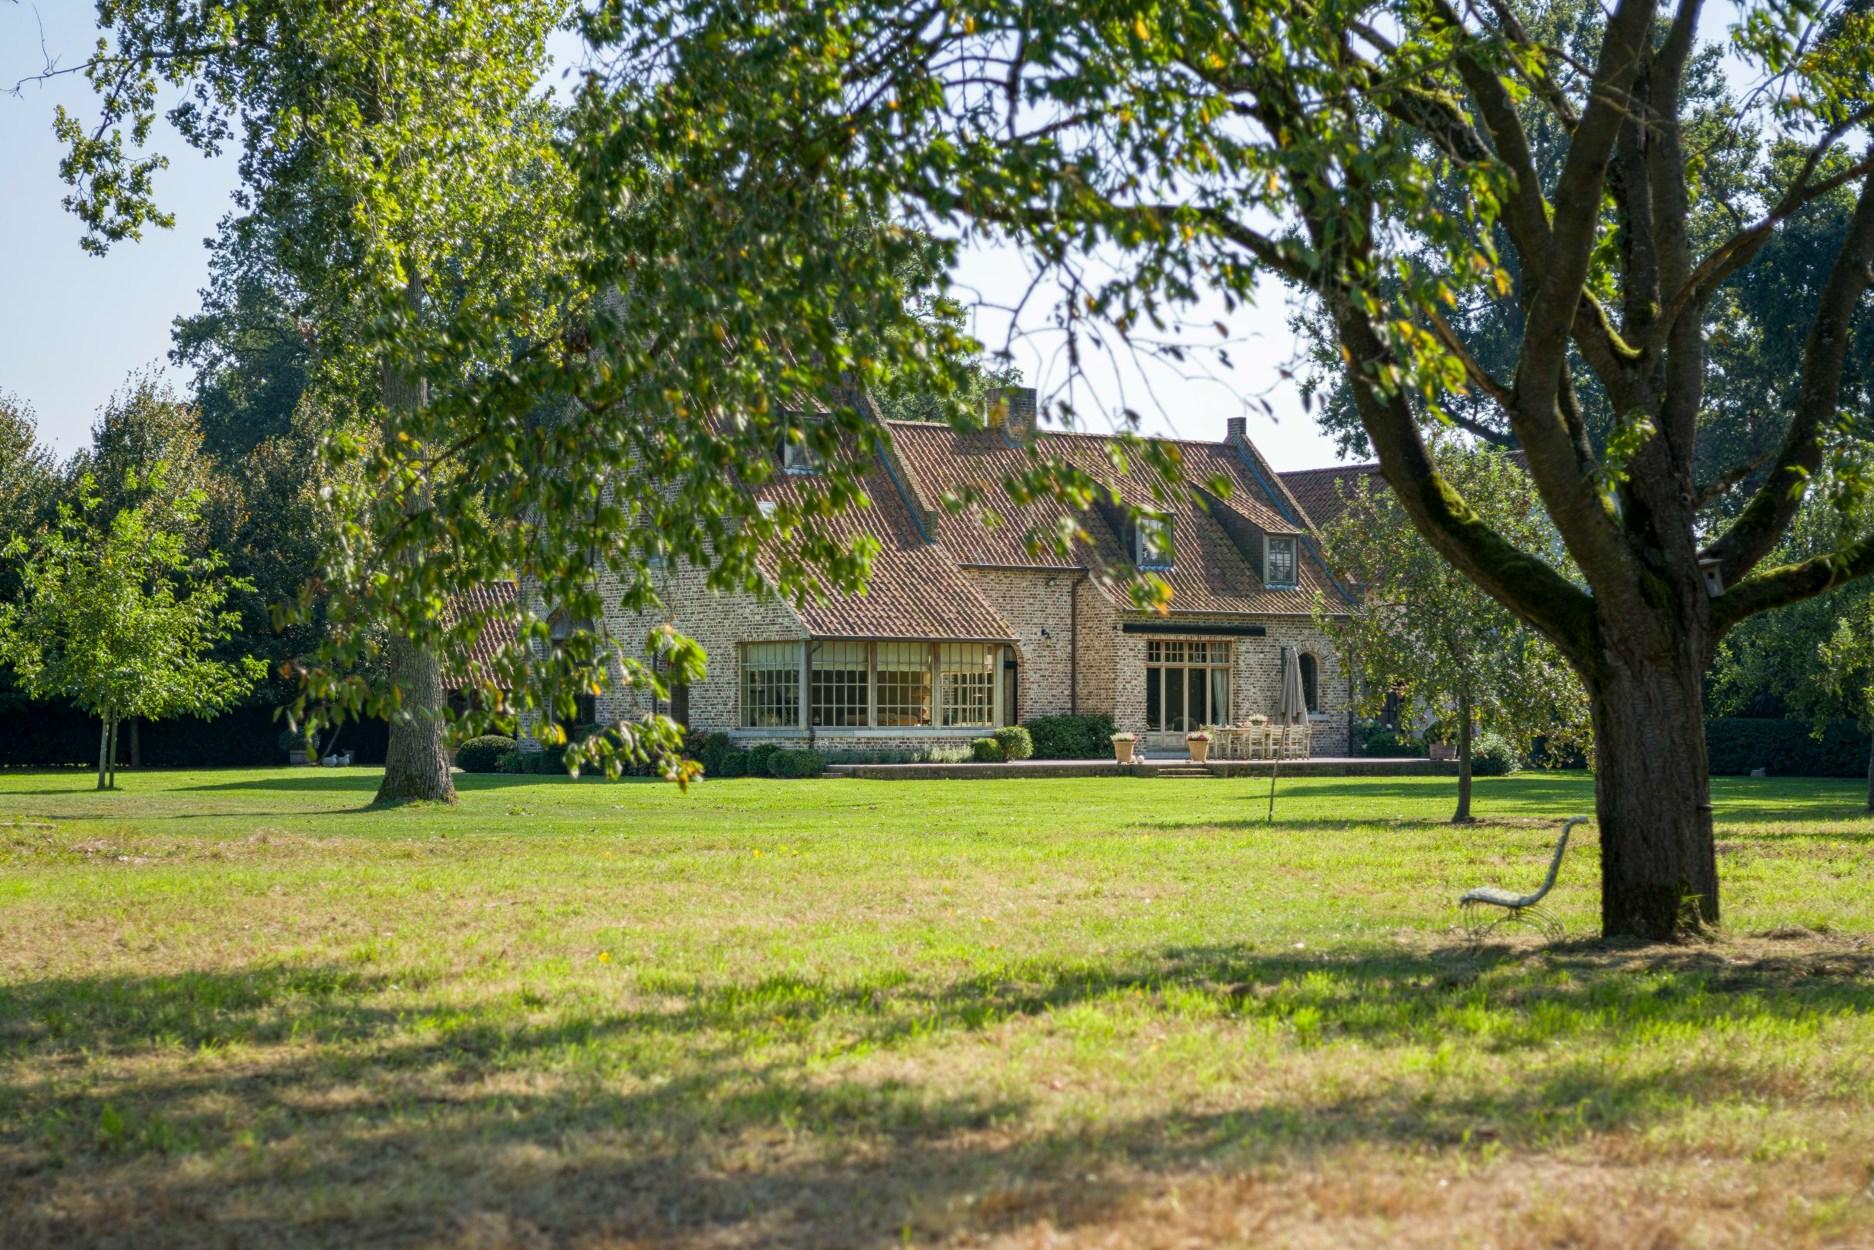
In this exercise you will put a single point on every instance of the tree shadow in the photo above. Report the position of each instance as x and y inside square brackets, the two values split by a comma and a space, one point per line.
[710, 1109]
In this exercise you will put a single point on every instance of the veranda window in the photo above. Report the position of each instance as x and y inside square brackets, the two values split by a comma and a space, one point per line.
[904, 683]
[839, 676]
[1187, 684]
[969, 682]
[771, 685]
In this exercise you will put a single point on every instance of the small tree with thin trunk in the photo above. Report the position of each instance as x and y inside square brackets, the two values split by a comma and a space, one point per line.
[117, 617]
[1429, 634]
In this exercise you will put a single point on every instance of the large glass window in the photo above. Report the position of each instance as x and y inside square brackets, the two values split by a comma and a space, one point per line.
[771, 685]
[969, 682]
[839, 680]
[1187, 684]
[1281, 562]
[904, 683]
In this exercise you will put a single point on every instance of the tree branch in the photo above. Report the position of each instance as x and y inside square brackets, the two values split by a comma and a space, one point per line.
[1770, 511]
[1791, 583]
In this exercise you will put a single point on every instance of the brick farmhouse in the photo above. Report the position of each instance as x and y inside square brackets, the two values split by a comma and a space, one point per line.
[963, 629]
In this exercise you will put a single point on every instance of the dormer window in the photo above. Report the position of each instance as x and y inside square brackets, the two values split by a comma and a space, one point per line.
[1279, 562]
[797, 457]
[1151, 543]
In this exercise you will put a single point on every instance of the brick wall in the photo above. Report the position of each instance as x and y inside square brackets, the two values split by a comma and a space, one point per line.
[1037, 605]
[716, 620]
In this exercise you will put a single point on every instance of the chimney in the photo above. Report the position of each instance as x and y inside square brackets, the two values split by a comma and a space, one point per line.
[1012, 410]
[1236, 431]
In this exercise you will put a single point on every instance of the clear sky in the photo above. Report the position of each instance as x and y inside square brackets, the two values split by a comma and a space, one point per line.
[73, 325]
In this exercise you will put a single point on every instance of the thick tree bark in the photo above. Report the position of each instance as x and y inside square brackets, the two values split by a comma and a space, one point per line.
[104, 746]
[110, 754]
[1463, 814]
[1659, 868]
[416, 761]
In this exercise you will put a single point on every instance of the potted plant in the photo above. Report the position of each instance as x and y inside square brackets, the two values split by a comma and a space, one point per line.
[1122, 747]
[298, 747]
[1198, 743]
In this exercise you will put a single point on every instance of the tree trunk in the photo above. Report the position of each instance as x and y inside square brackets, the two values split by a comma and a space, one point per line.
[1659, 868]
[1463, 814]
[111, 753]
[104, 746]
[416, 760]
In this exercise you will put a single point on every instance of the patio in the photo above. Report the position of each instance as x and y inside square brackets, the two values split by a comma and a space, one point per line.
[1158, 764]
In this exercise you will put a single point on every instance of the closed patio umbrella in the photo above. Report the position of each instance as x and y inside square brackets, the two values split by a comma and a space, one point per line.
[1290, 709]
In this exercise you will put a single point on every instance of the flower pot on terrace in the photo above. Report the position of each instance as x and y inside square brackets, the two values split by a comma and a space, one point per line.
[1122, 750]
[1200, 749]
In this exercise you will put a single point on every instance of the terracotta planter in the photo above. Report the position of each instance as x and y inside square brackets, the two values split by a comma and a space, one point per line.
[1122, 751]
[1200, 749]
[297, 757]
[1443, 751]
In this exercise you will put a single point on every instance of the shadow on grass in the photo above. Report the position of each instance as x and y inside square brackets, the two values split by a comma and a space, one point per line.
[712, 1109]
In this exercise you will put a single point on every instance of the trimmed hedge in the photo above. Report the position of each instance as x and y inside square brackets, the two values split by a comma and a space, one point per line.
[792, 765]
[1071, 737]
[1785, 748]
[483, 754]
[53, 735]
[986, 751]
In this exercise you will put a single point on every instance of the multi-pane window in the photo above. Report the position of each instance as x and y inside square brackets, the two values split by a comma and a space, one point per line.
[1280, 570]
[969, 682]
[838, 675]
[1187, 683]
[771, 685]
[903, 683]
[855, 685]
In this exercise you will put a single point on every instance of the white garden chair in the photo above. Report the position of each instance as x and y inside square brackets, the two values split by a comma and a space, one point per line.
[1475, 905]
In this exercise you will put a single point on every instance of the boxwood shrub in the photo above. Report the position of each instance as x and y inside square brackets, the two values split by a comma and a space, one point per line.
[791, 765]
[1070, 737]
[483, 754]
[1016, 742]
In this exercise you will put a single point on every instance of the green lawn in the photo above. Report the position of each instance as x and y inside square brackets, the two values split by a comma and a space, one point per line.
[238, 1008]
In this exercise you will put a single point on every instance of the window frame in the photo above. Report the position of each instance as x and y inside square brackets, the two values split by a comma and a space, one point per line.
[751, 700]
[1146, 554]
[1185, 656]
[1292, 543]
[1310, 666]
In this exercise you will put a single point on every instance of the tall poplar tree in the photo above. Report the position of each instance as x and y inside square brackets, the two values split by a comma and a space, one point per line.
[401, 143]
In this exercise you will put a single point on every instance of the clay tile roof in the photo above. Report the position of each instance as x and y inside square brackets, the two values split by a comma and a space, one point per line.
[1211, 572]
[916, 590]
[499, 603]
[1323, 493]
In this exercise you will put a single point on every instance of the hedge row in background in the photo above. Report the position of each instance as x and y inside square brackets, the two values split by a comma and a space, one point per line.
[1785, 748]
[48, 735]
